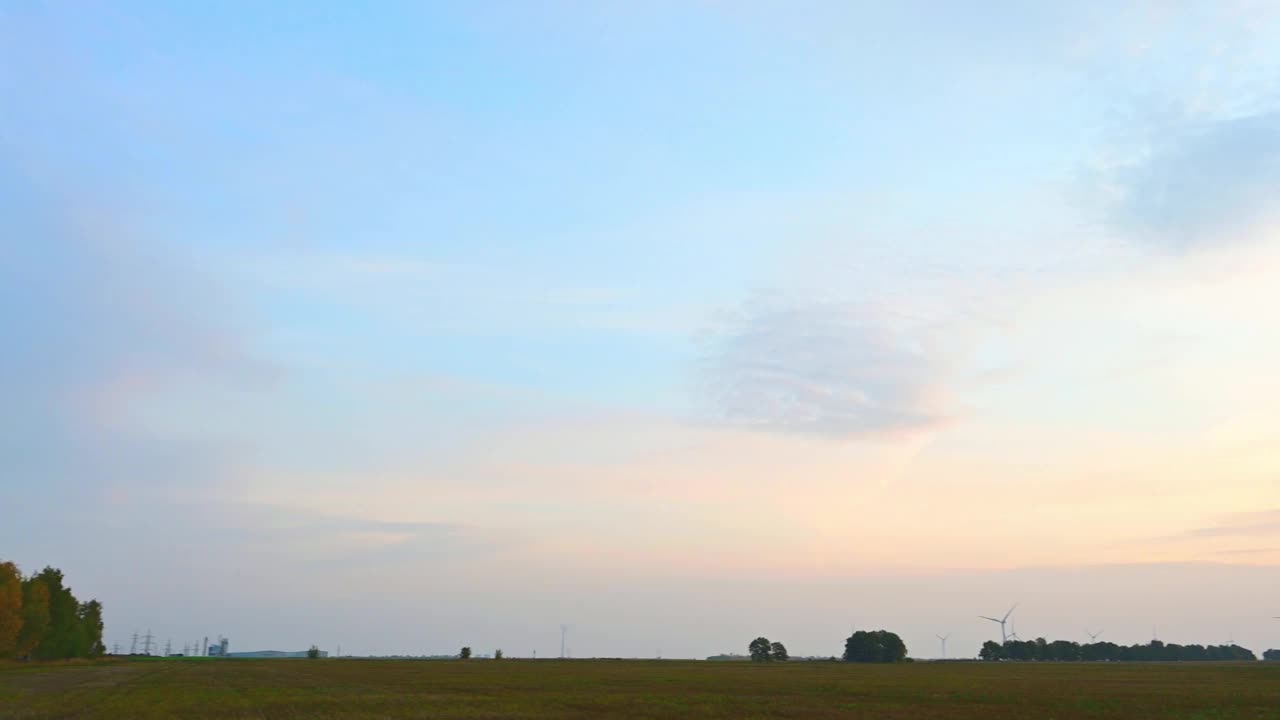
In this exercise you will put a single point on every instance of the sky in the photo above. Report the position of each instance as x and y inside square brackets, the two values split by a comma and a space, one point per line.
[418, 325]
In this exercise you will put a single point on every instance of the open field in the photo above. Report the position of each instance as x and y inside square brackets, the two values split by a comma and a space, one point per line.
[224, 689]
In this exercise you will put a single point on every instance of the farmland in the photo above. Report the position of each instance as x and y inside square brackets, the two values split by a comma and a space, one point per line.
[201, 688]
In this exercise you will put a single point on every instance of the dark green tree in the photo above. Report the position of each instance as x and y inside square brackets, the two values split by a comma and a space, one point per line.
[1271, 655]
[760, 649]
[35, 616]
[778, 652]
[66, 637]
[991, 650]
[875, 646]
[91, 626]
[497, 654]
[465, 653]
[313, 653]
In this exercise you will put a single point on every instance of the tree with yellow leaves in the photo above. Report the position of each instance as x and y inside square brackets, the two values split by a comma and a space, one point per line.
[10, 609]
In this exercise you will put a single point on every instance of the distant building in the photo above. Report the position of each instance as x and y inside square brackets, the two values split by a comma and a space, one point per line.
[220, 649]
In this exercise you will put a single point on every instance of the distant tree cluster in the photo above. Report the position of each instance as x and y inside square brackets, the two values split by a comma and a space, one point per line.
[874, 646]
[41, 619]
[764, 651]
[1271, 655]
[1155, 651]
[465, 653]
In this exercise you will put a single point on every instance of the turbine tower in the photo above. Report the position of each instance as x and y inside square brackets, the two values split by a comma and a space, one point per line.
[564, 630]
[943, 638]
[1001, 621]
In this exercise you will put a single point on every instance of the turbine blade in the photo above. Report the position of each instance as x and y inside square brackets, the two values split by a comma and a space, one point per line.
[1015, 607]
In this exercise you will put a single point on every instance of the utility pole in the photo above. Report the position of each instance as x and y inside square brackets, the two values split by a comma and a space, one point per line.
[168, 648]
[146, 642]
[133, 647]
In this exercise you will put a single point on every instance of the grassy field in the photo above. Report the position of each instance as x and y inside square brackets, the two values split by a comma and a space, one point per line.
[201, 688]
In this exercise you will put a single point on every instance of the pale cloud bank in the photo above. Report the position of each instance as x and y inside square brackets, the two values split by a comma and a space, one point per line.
[820, 368]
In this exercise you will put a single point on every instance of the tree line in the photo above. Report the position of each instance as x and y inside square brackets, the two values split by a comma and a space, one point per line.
[41, 619]
[1155, 651]
[874, 646]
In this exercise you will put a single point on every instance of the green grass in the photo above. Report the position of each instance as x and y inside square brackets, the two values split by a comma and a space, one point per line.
[201, 688]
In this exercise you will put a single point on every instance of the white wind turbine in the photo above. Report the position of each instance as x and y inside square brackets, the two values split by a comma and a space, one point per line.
[1013, 630]
[943, 638]
[1093, 636]
[1001, 621]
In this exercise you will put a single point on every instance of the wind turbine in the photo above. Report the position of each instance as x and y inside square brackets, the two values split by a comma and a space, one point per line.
[943, 638]
[1093, 636]
[1003, 637]
[1013, 626]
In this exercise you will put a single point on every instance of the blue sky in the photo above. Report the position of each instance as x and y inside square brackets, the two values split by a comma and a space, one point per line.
[630, 302]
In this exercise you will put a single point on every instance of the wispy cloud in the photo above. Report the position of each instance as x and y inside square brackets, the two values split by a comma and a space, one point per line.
[431, 295]
[1198, 182]
[308, 533]
[1264, 523]
[818, 368]
[1249, 551]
